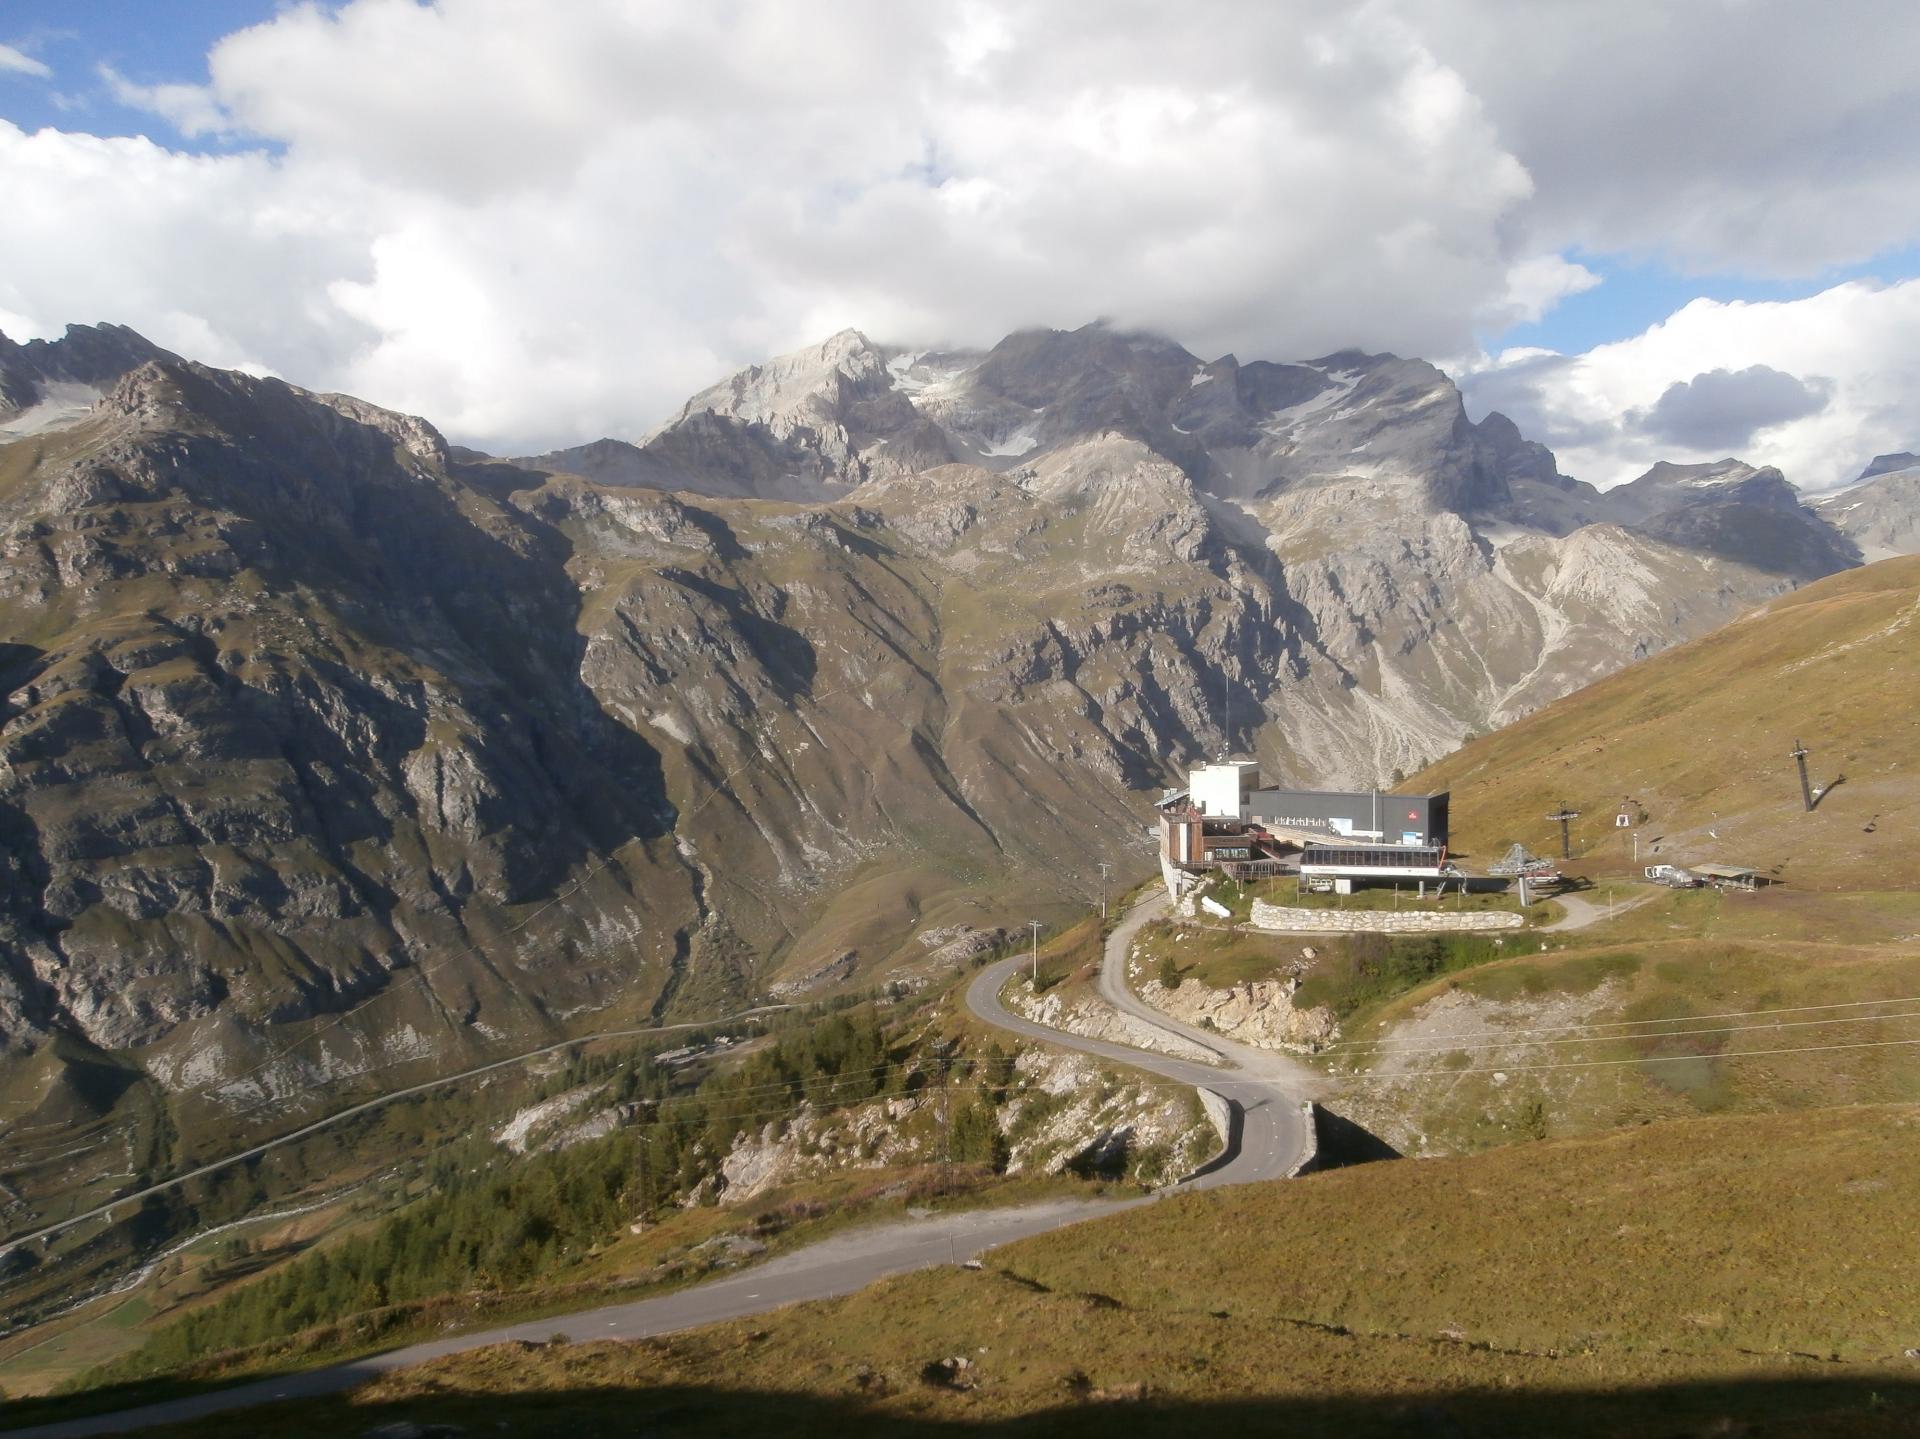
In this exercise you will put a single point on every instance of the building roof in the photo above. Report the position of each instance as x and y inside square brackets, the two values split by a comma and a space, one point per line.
[1725, 871]
[1383, 795]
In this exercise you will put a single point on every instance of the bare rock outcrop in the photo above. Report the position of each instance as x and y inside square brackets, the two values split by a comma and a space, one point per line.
[1098, 1020]
[1259, 1012]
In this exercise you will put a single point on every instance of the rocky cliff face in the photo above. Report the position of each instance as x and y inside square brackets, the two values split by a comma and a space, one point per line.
[330, 755]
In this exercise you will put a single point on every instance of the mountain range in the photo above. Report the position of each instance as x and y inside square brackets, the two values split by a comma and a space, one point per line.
[331, 753]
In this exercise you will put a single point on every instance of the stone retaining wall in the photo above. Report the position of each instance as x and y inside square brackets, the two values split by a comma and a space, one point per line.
[1385, 921]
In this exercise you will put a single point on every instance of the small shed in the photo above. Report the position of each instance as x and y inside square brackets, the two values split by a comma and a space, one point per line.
[1730, 876]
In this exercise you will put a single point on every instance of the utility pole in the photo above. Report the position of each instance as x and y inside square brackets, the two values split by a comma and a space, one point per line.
[946, 1106]
[1104, 867]
[645, 1208]
[1564, 817]
[1034, 925]
[1806, 790]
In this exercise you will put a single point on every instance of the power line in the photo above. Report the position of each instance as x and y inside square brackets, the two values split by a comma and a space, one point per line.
[105, 1211]
[267, 1145]
[1671, 1019]
[1443, 1048]
[1615, 1063]
[828, 1101]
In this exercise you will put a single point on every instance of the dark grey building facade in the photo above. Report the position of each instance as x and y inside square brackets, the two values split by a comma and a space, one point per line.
[1366, 817]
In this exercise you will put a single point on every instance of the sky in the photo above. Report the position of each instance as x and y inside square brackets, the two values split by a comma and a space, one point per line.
[1644, 231]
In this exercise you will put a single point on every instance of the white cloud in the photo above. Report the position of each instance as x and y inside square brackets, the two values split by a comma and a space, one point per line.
[16, 62]
[190, 109]
[219, 258]
[1815, 386]
[539, 224]
[1534, 286]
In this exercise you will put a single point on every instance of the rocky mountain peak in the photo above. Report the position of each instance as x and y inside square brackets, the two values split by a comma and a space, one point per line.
[1888, 464]
[171, 393]
[1385, 429]
[1734, 510]
[1879, 512]
[410, 432]
[89, 354]
[46, 384]
[1666, 486]
[1699, 476]
[1038, 368]
[805, 389]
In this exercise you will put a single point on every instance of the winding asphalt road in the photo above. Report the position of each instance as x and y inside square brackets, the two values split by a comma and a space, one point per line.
[1267, 1139]
[1268, 1135]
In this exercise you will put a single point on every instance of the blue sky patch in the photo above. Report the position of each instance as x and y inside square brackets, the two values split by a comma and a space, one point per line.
[148, 43]
[1632, 296]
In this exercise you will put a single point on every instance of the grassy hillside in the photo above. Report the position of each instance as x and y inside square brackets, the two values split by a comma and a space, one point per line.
[1749, 1276]
[1691, 1003]
[1698, 739]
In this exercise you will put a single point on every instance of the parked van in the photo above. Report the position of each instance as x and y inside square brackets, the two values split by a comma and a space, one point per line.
[1673, 877]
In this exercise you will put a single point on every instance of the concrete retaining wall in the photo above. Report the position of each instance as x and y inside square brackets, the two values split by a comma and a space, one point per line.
[1310, 1113]
[1178, 882]
[1219, 1113]
[1378, 921]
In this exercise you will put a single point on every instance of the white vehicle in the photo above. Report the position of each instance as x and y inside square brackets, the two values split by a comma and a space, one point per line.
[1673, 876]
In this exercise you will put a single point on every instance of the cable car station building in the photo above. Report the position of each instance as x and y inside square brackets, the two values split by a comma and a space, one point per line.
[1225, 821]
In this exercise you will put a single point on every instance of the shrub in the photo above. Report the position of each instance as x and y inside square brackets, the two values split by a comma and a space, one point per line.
[976, 1137]
[1533, 1119]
